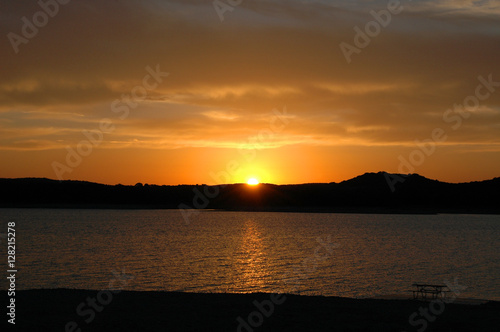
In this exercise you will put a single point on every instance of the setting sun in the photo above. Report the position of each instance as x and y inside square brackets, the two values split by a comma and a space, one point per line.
[253, 182]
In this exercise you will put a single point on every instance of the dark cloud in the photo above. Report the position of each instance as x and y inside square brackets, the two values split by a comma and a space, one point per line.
[226, 77]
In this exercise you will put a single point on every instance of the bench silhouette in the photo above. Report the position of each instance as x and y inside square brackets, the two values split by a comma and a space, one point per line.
[430, 291]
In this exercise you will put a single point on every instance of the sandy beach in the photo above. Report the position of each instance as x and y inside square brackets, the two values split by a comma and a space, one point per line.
[86, 310]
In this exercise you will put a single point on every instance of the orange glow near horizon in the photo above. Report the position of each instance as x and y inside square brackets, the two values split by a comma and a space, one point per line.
[282, 165]
[163, 117]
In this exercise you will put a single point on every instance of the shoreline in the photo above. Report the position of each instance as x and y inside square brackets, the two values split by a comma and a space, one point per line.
[54, 309]
[340, 210]
[367, 193]
[458, 300]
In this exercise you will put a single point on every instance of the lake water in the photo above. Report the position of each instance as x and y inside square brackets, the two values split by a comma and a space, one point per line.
[353, 255]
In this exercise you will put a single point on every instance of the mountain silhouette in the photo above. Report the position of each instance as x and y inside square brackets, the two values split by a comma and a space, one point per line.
[371, 192]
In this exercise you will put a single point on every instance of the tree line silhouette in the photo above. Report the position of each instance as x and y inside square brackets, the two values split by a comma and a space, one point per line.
[369, 192]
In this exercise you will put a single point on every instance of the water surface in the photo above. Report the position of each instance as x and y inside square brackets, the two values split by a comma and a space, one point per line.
[305, 253]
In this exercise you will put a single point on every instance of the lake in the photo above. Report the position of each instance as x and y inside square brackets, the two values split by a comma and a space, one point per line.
[352, 255]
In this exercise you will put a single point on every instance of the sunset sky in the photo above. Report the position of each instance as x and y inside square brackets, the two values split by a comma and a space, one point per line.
[267, 92]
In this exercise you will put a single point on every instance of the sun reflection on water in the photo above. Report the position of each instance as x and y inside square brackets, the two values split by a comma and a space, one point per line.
[242, 252]
[251, 261]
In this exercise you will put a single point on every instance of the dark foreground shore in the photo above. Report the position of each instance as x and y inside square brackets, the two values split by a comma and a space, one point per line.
[82, 310]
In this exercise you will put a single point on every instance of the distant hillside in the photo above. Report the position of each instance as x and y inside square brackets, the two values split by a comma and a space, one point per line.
[370, 192]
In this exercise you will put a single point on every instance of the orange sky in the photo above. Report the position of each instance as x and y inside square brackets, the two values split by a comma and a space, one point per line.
[265, 93]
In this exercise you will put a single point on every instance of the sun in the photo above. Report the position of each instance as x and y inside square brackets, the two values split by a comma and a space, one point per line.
[253, 182]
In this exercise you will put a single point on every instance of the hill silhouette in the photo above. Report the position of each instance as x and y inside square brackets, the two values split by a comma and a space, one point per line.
[371, 192]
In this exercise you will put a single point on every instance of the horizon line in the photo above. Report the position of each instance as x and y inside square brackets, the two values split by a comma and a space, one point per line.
[244, 183]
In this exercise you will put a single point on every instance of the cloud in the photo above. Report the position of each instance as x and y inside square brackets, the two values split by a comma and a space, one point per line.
[226, 77]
